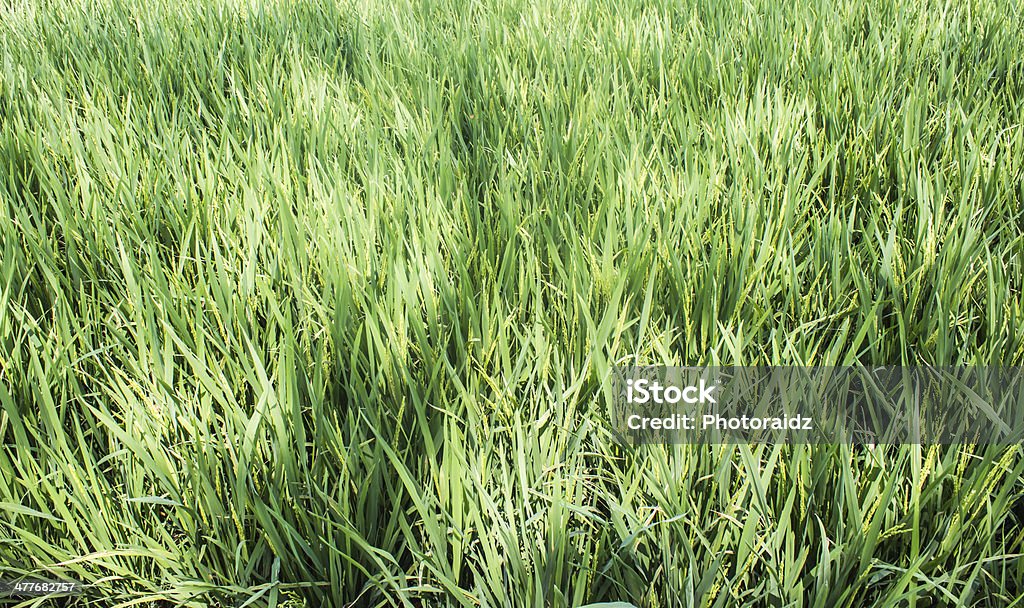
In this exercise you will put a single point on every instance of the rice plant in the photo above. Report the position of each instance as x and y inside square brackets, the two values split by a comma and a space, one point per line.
[315, 303]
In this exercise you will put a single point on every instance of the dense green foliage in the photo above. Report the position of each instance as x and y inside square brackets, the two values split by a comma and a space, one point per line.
[314, 303]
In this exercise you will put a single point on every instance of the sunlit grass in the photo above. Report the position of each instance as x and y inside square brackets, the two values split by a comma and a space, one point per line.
[314, 303]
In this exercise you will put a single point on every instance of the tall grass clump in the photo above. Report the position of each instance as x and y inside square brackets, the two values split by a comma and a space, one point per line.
[314, 303]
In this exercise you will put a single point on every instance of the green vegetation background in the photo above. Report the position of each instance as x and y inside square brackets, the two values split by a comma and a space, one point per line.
[312, 303]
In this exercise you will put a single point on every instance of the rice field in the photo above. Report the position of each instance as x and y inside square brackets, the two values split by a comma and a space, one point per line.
[315, 303]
